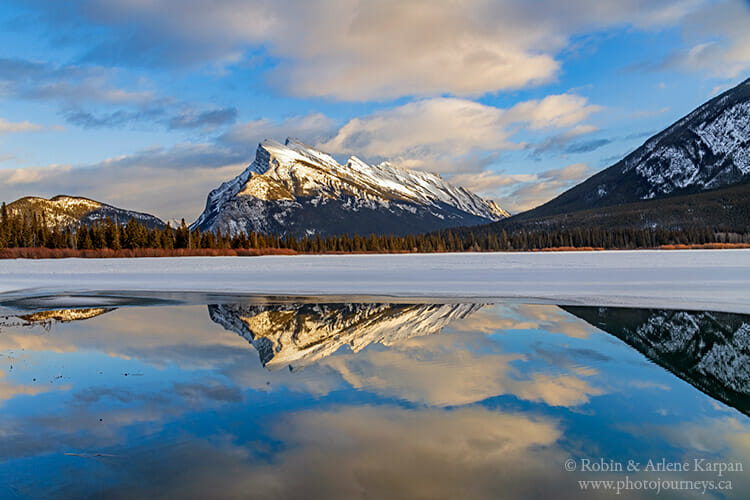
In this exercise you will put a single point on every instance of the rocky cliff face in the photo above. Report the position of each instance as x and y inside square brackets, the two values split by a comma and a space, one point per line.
[293, 188]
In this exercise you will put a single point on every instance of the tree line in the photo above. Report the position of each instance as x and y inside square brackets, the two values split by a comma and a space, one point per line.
[27, 231]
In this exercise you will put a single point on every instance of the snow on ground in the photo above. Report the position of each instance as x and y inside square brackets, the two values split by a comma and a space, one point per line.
[692, 279]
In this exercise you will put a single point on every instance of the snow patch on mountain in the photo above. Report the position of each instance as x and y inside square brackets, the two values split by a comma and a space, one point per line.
[707, 149]
[285, 179]
[66, 211]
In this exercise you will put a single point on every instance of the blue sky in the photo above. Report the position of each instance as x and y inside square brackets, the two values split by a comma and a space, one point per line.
[150, 104]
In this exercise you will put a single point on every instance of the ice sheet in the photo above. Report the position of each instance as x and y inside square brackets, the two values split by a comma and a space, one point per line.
[692, 279]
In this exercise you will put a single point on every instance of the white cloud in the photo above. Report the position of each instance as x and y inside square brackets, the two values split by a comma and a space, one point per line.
[68, 84]
[7, 127]
[30, 175]
[447, 126]
[353, 50]
[545, 186]
[459, 137]
[521, 192]
[488, 181]
[558, 111]
[719, 40]
[392, 48]
[92, 96]
[437, 134]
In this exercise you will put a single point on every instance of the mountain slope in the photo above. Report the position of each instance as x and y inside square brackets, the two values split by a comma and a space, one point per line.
[710, 350]
[293, 188]
[64, 211]
[707, 149]
[726, 209]
[296, 335]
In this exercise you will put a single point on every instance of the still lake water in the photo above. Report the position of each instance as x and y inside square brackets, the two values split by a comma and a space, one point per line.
[283, 398]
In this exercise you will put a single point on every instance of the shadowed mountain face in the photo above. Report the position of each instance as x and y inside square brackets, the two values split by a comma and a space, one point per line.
[298, 334]
[65, 211]
[710, 350]
[707, 150]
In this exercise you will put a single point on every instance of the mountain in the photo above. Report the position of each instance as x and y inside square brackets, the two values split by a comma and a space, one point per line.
[293, 188]
[709, 149]
[710, 350]
[296, 335]
[726, 209]
[64, 211]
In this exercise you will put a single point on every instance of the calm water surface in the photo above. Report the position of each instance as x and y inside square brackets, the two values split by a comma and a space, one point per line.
[272, 398]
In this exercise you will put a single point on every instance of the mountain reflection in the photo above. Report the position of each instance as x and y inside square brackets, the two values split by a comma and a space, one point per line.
[396, 400]
[710, 350]
[48, 318]
[295, 335]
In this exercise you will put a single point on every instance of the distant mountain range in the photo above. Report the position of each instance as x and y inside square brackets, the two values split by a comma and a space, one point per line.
[66, 211]
[293, 188]
[702, 160]
[694, 173]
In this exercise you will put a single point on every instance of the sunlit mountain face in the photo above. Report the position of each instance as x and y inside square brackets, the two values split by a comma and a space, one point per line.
[378, 398]
[294, 188]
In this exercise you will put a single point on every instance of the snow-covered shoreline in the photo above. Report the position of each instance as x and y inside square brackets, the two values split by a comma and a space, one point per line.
[692, 279]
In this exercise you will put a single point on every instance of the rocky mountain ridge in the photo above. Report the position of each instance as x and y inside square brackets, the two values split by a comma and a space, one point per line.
[65, 211]
[708, 149]
[294, 188]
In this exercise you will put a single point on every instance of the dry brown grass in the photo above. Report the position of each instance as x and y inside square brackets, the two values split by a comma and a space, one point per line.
[570, 249]
[63, 253]
[705, 246]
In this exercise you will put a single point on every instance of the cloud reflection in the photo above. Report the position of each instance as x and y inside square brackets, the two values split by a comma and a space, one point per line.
[448, 370]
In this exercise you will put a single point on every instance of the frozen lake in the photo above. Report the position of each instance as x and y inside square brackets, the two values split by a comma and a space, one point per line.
[692, 279]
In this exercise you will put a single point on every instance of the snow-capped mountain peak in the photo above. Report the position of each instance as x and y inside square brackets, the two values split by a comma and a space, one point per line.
[287, 179]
